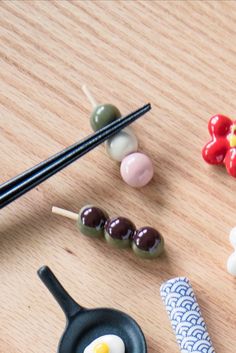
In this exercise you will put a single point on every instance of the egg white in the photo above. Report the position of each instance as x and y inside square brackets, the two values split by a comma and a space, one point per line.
[115, 343]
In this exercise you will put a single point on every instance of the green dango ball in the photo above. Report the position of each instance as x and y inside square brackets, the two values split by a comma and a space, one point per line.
[119, 232]
[148, 243]
[91, 221]
[103, 115]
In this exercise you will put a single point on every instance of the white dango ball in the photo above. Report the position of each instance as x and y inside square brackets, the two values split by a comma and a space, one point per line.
[122, 144]
[232, 237]
[231, 264]
[106, 344]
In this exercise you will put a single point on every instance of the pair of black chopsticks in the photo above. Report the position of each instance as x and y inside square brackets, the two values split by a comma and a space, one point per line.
[16, 187]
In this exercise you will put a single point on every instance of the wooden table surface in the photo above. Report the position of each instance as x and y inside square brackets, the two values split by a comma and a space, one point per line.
[180, 56]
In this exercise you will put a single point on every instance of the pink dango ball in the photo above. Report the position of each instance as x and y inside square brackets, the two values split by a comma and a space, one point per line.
[136, 169]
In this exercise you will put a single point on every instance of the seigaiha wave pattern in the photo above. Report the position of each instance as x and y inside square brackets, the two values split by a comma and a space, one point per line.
[185, 316]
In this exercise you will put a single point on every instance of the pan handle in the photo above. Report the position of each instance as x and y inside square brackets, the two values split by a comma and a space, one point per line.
[68, 305]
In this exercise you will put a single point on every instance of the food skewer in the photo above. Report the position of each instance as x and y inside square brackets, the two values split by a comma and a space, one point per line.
[146, 242]
[16, 187]
[136, 168]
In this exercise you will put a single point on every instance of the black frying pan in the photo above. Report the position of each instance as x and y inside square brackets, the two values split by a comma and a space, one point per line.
[84, 326]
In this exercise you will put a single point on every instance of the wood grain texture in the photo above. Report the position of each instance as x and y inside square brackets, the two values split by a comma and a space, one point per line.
[181, 57]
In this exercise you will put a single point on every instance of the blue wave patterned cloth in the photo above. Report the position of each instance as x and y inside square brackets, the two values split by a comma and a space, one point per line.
[185, 316]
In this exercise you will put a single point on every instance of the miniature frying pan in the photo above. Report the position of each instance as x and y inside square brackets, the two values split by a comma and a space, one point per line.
[85, 325]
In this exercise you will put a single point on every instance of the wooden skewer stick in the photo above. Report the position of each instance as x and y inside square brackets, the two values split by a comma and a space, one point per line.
[89, 96]
[65, 213]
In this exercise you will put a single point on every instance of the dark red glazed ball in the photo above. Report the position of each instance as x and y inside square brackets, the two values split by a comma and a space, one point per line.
[120, 228]
[91, 221]
[93, 217]
[147, 242]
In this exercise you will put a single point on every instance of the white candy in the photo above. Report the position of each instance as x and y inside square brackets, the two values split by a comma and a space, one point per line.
[122, 144]
[231, 264]
[232, 237]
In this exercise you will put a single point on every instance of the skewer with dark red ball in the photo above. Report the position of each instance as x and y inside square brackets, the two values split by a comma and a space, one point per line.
[94, 222]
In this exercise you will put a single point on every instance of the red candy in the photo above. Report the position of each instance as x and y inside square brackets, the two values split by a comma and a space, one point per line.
[222, 147]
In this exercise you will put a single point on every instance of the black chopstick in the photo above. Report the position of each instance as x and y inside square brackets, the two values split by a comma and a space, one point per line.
[16, 187]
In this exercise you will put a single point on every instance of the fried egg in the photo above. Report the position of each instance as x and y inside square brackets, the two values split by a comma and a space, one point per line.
[106, 344]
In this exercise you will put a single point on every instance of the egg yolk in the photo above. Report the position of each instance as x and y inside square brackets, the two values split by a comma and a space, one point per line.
[101, 348]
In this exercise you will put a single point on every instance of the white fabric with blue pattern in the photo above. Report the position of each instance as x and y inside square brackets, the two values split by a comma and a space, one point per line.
[185, 316]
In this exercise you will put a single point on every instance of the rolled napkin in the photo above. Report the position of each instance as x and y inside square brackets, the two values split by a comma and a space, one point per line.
[185, 316]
